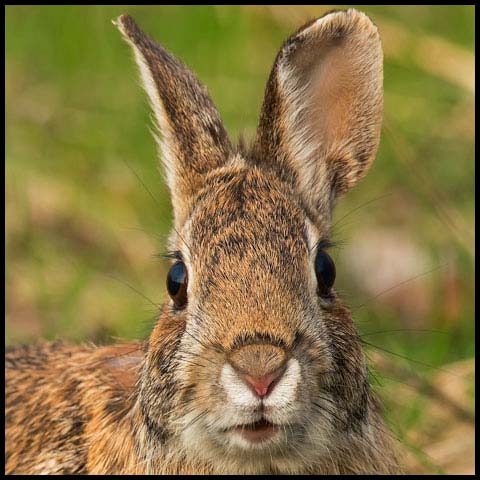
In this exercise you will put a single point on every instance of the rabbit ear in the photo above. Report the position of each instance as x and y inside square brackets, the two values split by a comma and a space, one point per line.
[321, 117]
[193, 138]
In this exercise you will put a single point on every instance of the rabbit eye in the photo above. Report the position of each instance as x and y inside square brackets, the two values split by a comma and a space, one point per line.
[177, 284]
[325, 271]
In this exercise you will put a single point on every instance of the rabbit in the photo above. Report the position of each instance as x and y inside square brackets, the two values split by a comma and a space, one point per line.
[254, 365]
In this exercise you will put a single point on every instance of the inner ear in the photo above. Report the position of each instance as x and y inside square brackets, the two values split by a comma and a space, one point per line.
[320, 123]
[327, 80]
[333, 90]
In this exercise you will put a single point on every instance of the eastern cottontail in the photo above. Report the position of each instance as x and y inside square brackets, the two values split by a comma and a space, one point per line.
[254, 365]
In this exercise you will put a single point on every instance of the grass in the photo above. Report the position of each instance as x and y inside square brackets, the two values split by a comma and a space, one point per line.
[82, 233]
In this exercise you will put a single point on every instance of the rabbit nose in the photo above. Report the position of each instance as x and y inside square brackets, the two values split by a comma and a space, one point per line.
[259, 366]
[262, 386]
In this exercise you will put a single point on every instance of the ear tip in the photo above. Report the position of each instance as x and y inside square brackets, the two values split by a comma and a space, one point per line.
[126, 24]
[350, 18]
[364, 20]
[119, 20]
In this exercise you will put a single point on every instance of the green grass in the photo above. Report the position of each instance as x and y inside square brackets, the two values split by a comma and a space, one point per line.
[82, 233]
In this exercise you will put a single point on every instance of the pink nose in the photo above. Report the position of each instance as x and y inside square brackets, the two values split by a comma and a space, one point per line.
[262, 386]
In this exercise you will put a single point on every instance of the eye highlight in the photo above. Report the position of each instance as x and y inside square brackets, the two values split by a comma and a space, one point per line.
[325, 272]
[177, 284]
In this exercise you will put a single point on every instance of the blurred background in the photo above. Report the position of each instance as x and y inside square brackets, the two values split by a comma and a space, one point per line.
[84, 238]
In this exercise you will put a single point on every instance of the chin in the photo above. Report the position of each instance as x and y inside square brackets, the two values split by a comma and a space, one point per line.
[256, 448]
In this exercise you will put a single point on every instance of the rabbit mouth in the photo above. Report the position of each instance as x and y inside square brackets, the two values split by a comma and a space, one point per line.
[257, 432]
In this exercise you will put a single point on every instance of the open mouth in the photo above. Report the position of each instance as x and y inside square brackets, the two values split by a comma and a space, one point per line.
[258, 431]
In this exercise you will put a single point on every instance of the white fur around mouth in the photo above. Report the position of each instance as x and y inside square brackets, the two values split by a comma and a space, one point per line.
[283, 394]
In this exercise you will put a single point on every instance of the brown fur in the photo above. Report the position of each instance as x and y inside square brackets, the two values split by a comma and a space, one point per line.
[247, 229]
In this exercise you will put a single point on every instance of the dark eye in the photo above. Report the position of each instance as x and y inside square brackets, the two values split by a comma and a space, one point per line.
[325, 271]
[177, 284]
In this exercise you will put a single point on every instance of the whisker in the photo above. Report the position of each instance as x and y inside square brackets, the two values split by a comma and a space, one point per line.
[156, 201]
[403, 330]
[409, 359]
[363, 205]
[354, 309]
[157, 305]
[142, 182]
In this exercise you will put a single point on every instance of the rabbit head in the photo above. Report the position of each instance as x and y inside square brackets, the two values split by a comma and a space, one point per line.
[254, 363]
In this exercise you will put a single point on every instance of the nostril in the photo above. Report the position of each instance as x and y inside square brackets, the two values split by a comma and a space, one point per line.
[262, 386]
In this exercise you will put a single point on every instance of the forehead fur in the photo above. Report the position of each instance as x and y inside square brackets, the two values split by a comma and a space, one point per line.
[245, 211]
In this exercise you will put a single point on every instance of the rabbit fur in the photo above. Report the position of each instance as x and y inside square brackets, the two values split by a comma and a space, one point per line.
[247, 225]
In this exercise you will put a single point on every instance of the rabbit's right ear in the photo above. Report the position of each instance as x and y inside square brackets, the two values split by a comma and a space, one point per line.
[193, 138]
[320, 122]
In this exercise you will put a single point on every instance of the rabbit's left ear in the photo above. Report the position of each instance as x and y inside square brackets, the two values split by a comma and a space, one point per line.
[320, 122]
